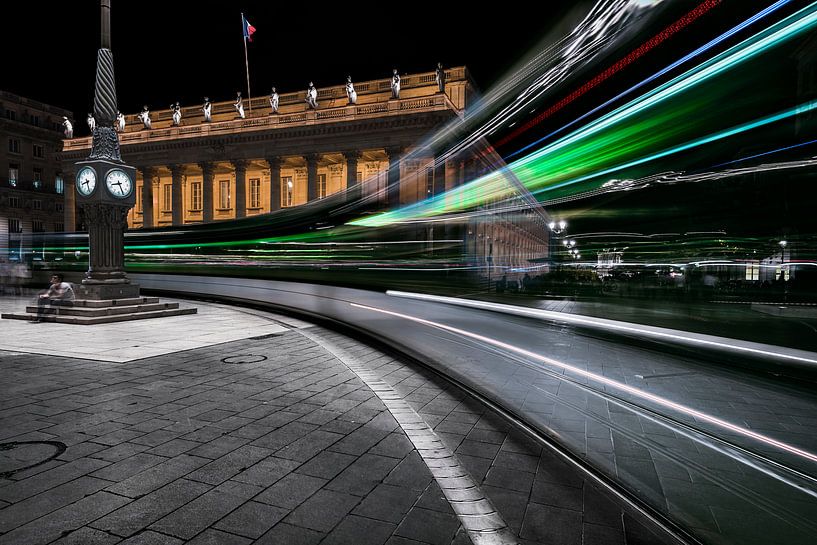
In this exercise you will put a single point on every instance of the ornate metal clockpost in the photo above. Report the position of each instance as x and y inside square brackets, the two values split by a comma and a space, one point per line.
[105, 186]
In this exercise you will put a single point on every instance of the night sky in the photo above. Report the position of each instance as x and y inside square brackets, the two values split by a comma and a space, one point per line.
[172, 51]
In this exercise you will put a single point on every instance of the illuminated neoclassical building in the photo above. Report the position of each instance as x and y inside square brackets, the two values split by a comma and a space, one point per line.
[230, 167]
[200, 172]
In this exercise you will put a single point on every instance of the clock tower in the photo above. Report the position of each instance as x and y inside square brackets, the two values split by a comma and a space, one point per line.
[105, 186]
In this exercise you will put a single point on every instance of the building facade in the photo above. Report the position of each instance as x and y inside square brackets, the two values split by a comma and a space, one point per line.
[200, 172]
[32, 185]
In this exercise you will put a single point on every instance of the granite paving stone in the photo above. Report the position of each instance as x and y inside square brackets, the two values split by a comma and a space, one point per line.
[205, 510]
[143, 512]
[291, 535]
[48, 528]
[88, 536]
[323, 510]
[252, 519]
[292, 490]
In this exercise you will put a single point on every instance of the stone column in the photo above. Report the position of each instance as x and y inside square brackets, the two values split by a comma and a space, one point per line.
[148, 174]
[177, 195]
[393, 184]
[311, 177]
[69, 209]
[274, 183]
[208, 173]
[439, 176]
[240, 166]
[353, 191]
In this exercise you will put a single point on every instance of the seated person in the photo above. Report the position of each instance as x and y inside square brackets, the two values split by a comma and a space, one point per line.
[59, 293]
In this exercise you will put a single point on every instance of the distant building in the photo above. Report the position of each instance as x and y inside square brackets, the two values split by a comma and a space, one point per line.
[32, 186]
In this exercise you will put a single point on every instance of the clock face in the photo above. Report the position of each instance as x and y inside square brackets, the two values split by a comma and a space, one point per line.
[86, 181]
[119, 183]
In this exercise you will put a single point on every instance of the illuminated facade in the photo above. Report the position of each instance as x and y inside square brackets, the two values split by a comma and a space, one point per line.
[199, 172]
[31, 182]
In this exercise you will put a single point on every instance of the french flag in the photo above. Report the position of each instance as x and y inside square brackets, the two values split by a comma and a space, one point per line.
[249, 30]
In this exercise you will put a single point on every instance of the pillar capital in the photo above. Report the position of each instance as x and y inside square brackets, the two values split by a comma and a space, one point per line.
[395, 151]
[240, 165]
[148, 172]
[176, 171]
[208, 168]
[312, 159]
[274, 161]
[352, 155]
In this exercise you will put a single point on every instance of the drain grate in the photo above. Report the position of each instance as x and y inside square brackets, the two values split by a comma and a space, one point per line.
[267, 336]
[21, 455]
[244, 358]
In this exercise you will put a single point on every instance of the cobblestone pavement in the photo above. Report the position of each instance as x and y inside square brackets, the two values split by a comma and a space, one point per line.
[269, 439]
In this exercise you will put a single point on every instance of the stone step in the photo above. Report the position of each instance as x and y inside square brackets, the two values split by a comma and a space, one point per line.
[102, 311]
[92, 320]
[115, 302]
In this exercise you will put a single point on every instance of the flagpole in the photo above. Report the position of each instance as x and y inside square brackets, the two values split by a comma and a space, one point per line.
[246, 63]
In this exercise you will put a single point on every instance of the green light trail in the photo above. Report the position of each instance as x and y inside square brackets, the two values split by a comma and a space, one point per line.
[660, 123]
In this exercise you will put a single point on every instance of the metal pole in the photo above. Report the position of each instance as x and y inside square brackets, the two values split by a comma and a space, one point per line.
[105, 21]
[246, 63]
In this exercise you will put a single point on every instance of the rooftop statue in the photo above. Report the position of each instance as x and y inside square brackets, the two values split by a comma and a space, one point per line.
[273, 101]
[144, 117]
[439, 76]
[207, 109]
[68, 127]
[177, 113]
[239, 105]
[312, 96]
[350, 91]
[395, 84]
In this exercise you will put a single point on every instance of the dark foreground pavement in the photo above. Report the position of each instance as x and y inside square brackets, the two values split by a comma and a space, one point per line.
[278, 439]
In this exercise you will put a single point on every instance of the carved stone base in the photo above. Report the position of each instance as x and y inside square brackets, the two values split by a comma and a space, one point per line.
[106, 291]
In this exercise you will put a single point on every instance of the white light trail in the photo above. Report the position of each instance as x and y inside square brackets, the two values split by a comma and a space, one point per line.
[606, 381]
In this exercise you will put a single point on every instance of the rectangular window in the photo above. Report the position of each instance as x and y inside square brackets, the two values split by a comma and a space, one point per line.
[429, 182]
[167, 198]
[358, 176]
[35, 120]
[38, 151]
[14, 175]
[14, 145]
[753, 271]
[195, 196]
[255, 193]
[37, 226]
[38, 178]
[138, 205]
[14, 202]
[321, 186]
[59, 227]
[11, 115]
[59, 185]
[37, 204]
[224, 194]
[286, 194]
[15, 226]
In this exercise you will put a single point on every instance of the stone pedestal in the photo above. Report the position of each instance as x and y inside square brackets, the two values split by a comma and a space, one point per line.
[102, 291]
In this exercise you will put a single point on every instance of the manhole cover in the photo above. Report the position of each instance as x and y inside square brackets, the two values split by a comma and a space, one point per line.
[17, 456]
[244, 358]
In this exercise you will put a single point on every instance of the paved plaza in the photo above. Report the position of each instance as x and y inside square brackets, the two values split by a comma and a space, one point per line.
[237, 426]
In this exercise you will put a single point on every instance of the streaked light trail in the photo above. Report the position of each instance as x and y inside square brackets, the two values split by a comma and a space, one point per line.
[658, 400]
